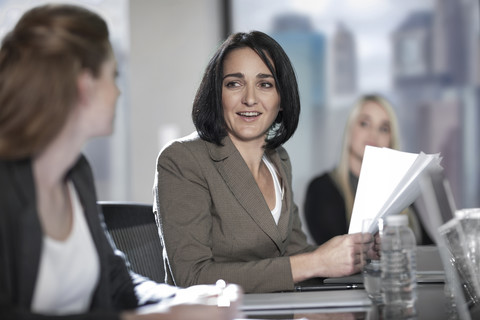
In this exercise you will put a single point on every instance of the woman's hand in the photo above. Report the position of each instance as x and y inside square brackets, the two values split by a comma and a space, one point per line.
[375, 252]
[338, 257]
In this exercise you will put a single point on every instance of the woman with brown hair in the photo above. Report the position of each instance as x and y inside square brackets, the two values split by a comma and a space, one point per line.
[58, 90]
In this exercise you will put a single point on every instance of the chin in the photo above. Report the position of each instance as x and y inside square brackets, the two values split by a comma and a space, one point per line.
[109, 132]
[105, 133]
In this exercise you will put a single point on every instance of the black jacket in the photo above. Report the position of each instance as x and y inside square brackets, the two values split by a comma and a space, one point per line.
[21, 246]
[324, 209]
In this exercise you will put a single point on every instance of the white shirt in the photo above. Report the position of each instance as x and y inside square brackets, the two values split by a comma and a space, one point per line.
[278, 190]
[69, 270]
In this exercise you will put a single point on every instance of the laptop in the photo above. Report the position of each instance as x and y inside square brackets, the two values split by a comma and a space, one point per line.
[439, 209]
[436, 204]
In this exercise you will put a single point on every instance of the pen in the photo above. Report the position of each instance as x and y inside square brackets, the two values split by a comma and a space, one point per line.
[329, 287]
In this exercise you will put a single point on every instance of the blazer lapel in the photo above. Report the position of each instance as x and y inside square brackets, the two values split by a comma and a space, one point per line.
[286, 219]
[241, 183]
[31, 237]
[83, 183]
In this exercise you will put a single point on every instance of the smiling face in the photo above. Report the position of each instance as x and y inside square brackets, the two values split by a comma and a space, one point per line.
[371, 127]
[250, 99]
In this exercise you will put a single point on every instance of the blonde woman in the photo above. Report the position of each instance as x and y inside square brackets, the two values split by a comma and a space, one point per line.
[330, 196]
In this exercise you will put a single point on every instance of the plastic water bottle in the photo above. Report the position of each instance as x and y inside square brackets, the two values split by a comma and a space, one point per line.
[399, 283]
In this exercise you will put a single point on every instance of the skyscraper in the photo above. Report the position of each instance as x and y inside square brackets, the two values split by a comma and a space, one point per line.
[344, 73]
[449, 47]
[433, 78]
[306, 49]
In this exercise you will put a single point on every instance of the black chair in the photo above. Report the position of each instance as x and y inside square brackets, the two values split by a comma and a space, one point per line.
[134, 231]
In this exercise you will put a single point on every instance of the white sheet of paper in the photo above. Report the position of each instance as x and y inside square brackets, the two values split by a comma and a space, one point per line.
[382, 170]
[408, 189]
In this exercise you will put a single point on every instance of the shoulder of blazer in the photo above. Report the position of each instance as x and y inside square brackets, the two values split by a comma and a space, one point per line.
[191, 141]
[200, 147]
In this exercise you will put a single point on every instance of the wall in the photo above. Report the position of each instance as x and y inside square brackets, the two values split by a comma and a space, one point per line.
[170, 44]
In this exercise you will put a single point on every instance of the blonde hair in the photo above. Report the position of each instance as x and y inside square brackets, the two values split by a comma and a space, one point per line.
[342, 171]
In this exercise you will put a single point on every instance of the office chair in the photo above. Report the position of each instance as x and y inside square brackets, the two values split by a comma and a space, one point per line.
[134, 231]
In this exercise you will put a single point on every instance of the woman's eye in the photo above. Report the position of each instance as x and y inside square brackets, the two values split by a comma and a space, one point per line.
[363, 124]
[232, 84]
[385, 129]
[266, 85]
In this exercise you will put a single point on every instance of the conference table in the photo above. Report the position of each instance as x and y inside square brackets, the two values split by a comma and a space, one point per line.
[340, 304]
[353, 303]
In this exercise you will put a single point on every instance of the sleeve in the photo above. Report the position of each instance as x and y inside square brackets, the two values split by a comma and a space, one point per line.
[187, 221]
[298, 240]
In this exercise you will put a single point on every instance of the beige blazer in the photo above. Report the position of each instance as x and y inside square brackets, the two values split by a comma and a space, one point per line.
[215, 223]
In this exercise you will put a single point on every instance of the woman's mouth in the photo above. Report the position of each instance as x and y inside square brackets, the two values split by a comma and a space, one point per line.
[249, 114]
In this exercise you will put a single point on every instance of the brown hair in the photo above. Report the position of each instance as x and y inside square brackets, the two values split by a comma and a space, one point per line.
[40, 60]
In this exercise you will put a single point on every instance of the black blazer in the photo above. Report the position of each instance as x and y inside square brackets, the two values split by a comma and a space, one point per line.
[21, 245]
[325, 212]
[324, 209]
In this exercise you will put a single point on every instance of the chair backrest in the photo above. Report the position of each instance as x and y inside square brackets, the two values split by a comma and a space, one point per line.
[134, 231]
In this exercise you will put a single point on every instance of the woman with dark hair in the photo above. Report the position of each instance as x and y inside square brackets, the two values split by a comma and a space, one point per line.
[58, 90]
[223, 195]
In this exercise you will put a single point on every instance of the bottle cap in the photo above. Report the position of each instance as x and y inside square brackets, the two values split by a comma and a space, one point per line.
[397, 220]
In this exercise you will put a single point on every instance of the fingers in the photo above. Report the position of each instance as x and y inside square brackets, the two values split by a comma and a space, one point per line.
[377, 244]
[344, 255]
[356, 248]
[347, 254]
[360, 237]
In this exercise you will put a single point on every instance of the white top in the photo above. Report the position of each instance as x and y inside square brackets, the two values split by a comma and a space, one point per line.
[69, 270]
[278, 190]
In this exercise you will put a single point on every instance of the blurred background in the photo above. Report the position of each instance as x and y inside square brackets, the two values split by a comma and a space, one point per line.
[423, 55]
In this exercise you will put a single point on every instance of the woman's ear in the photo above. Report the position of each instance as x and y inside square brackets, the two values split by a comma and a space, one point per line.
[85, 87]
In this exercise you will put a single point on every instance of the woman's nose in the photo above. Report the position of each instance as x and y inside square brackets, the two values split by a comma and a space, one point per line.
[250, 97]
[372, 137]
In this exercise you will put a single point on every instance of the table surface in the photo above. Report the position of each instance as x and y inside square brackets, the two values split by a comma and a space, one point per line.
[431, 304]
[352, 303]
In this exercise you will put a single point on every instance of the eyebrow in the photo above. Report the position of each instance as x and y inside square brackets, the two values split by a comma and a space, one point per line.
[241, 75]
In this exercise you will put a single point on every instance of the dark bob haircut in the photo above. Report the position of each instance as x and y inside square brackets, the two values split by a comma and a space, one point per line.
[207, 113]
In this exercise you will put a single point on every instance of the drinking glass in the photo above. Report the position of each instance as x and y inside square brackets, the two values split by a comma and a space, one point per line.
[470, 222]
[371, 269]
[456, 242]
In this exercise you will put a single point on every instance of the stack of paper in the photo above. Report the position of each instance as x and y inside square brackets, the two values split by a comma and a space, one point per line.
[388, 183]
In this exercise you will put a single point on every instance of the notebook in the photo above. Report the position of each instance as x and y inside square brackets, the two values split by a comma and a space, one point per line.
[305, 300]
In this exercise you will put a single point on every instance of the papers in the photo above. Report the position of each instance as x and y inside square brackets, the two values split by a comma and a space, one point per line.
[388, 183]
